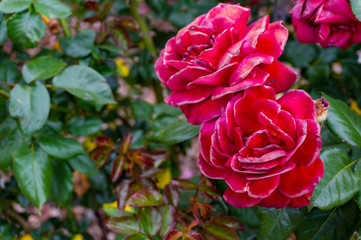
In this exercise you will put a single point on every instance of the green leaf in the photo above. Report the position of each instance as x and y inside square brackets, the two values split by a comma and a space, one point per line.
[84, 126]
[248, 216]
[26, 29]
[279, 223]
[84, 83]
[300, 55]
[165, 109]
[52, 8]
[220, 231]
[61, 182]
[12, 6]
[60, 147]
[330, 141]
[141, 110]
[150, 220]
[42, 68]
[339, 184]
[145, 197]
[83, 164]
[337, 224]
[168, 214]
[343, 122]
[11, 145]
[230, 222]
[356, 8]
[124, 224]
[9, 72]
[176, 132]
[318, 74]
[3, 30]
[33, 171]
[31, 104]
[183, 184]
[80, 45]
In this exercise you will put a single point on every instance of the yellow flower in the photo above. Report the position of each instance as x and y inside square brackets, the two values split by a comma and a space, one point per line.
[128, 209]
[355, 107]
[88, 144]
[163, 178]
[110, 205]
[122, 69]
[78, 237]
[26, 237]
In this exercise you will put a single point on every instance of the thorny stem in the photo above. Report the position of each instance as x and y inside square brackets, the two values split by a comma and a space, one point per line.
[65, 26]
[18, 218]
[4, 94]
[14, 84]
[148, 42]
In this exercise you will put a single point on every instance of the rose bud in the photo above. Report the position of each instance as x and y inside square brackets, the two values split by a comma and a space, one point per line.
[321, 109]
[217, 56]
[266, 150]
[328, 22]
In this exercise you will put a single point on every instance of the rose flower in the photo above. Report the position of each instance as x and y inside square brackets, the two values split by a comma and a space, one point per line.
[328, 22]
[216, 56]
[266, 150]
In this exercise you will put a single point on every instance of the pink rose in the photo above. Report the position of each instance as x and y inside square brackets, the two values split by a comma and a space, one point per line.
[328, 22]
[216, 56]
[266, 150]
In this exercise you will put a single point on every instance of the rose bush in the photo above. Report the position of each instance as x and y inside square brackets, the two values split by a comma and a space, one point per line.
[266, 150]
[217, 55]
[328, 22]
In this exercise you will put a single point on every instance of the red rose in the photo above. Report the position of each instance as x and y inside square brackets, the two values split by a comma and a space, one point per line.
[216, 56]
[266, 150]
[328, 22]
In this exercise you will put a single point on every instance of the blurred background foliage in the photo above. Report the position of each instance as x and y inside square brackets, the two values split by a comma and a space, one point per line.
[85, 135]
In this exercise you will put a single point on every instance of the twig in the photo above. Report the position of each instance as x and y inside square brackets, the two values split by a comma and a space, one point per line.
[18, 218]
[102, 226]
[14, 84]
[4, 94]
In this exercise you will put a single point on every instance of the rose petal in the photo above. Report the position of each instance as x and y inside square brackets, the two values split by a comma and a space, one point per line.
[264, 187]
[181, 79]
[236, 181]
[305, 33]
[210, 170]
[261, 166]
[225, 143]
[240, 200]
[310, 148]
[299, 104]
[272, 41]
[287, 123]
[205, 138]
[247, 65]
[256, 78]
[244, 115]
[214, 54]
[183, 97]
[206, 110]
[340, 7]
[264, 158]
[300, 201]
[301, 179]
[275, 200]
[231, 11]
[281, 170]
[214, 79]
[281, 78]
